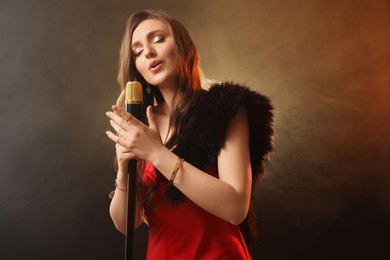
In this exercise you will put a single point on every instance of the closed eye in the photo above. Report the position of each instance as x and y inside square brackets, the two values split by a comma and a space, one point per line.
[137, 51]
[158, 39]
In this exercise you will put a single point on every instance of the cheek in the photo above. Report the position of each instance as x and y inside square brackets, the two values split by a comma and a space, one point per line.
[171, 53]
[138, 66]
[173, 58]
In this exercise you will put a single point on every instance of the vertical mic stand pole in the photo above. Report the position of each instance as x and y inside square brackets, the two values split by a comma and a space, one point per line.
[131, 200]
[134, 101]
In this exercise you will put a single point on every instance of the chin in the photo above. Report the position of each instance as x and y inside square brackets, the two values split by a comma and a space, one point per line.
[158, 81]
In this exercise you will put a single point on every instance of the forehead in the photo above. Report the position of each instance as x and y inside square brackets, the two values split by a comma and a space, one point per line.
[148, 26]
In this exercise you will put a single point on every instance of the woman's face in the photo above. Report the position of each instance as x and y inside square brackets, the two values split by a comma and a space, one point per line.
[153, 51]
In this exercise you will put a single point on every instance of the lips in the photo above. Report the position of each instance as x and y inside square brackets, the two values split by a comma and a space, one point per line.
[155, 65]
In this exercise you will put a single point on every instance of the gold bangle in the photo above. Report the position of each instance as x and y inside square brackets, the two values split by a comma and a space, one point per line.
[117, 186]
[179, 162]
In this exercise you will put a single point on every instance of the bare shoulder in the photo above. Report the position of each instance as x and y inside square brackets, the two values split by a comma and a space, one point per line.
[239, 123]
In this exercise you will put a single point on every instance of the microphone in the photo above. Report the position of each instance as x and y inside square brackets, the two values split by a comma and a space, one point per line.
[134, 104]
[134, 99]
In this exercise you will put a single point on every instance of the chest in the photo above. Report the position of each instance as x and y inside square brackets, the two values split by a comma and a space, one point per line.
[162, 121]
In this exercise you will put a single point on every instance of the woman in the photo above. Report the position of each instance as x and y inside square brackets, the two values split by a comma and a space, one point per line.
[200, 152]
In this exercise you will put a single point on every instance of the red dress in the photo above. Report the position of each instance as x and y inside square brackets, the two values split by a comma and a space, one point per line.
[188, 231]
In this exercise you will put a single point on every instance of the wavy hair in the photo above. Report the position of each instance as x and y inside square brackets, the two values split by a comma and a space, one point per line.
[189, 76]
[187, 58]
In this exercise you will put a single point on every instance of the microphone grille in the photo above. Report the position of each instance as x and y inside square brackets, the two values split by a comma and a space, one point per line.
[133, 93]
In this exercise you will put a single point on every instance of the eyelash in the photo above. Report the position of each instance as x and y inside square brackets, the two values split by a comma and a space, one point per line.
[157, 39]
[136, 54]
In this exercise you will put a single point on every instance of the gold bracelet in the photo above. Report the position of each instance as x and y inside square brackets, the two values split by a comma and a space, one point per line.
[179, 162]
[117, 186]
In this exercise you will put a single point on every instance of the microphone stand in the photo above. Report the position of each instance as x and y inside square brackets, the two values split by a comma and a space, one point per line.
[134, 101]
[131, 200]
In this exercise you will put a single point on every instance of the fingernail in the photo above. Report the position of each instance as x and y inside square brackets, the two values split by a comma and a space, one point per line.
[115, 107]
[108, 113]
[107, 133]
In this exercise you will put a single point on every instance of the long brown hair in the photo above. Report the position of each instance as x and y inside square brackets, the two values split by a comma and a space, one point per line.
[187, 58]
[189, 76]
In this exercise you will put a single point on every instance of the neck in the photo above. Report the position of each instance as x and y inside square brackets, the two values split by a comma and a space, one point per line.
[168, 91]
[162, 109]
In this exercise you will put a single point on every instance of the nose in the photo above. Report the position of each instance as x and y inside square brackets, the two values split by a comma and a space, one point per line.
[150, 52]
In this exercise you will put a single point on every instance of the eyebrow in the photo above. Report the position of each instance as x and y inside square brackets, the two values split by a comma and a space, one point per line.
[148, 36]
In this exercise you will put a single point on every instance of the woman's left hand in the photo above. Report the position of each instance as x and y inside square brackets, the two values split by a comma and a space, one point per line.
[141, 140]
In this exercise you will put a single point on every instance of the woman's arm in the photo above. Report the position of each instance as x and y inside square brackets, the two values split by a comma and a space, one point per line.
[118, 208]
[227, 197]
[118, 204]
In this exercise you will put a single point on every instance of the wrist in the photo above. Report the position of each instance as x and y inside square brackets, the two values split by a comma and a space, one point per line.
[121, 178]
[158, 156]
[120, 186]
[123, 166]
[165, 162]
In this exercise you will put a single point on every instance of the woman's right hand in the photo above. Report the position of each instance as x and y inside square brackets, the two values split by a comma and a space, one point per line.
[123, 157]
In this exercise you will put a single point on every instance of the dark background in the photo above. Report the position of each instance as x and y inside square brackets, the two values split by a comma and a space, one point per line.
[325, 64]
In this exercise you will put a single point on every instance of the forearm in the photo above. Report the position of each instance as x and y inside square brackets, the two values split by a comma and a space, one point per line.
[212, 194]
[118, 207]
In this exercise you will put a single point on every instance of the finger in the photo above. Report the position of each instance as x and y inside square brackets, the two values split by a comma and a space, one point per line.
[151, 119]
[115, 138]
[120, 121]
[124, 120]
[120, 131]
[120, 111]
[115, 108]
[121, 149]
[112, 136]
[125, 115]
[124, 154]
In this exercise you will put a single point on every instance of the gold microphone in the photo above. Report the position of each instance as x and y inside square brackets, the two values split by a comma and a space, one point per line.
[133, 93]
